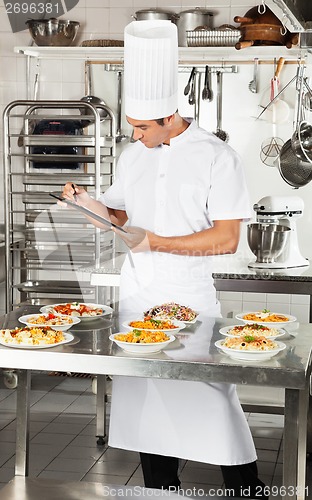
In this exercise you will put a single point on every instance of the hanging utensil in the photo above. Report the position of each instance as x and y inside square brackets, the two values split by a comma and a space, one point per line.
[197, 97]
[119, 135]
[191, 98]
[207, 92]
[253, 85]
[188, 85]
[271, 147]
[295, 171]
[301, 139]
[276, 97]
[278, 112]
[91, 99]
[224, 136]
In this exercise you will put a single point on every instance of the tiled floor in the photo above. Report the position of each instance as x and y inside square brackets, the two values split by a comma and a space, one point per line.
[63, 442]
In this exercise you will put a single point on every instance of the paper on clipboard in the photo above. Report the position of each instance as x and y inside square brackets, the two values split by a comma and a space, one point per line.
[88, 212]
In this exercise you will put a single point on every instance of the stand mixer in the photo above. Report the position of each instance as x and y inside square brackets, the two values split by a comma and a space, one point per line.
[273, 239]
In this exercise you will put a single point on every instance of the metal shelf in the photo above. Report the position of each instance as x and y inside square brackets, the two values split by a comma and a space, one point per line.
[187, 55]
[52, 241]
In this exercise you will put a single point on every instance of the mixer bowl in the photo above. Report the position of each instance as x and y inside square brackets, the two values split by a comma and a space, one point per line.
[267, 241]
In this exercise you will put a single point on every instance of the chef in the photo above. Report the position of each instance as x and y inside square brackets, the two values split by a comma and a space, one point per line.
[182, 193]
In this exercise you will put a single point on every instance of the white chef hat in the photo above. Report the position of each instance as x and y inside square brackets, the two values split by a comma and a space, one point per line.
[150, 69]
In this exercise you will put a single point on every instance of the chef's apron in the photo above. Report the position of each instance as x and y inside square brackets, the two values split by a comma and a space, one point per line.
[197, 421]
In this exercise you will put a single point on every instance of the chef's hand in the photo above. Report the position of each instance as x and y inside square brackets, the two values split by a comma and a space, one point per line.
[135, 238]
[75, 193]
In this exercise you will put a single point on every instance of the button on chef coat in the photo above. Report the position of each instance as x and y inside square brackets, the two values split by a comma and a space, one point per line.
[173, 191]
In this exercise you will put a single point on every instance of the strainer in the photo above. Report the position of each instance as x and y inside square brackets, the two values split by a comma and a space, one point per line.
[294, 171]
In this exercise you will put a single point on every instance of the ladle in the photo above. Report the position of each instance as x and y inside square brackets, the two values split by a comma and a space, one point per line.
[91, 99]
[119, 135]
[224, 136]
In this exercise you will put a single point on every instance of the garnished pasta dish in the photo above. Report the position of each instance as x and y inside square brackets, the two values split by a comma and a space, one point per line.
[140, 337]
[253, 329]
[250, 343]
[32, 336]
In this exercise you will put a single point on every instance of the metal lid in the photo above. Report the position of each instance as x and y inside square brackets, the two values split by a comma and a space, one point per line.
[148, 11]
[197, 10]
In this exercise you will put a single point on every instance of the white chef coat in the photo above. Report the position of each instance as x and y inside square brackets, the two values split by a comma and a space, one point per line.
[177, 190]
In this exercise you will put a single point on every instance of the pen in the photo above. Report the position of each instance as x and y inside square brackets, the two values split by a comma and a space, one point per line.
[75, 195]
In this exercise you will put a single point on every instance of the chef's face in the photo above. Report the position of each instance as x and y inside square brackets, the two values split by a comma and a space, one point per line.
[150, 132]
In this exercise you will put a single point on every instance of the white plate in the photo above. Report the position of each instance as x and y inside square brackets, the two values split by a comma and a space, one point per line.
[106, 310]
[250, 355]
[274, 324]
[68, 338]
[179, 325]
[65, 326]
[141, 348]
[225, 330]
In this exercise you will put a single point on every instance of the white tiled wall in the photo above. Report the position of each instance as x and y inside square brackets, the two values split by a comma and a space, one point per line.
[64, 79]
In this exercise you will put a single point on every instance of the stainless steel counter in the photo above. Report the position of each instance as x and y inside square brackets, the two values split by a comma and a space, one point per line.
[192, 356]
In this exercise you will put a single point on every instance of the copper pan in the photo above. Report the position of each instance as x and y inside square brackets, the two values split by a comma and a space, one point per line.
[261, 34]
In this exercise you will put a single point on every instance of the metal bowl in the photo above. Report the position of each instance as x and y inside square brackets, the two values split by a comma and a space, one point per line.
[267, 241]
[53, 32]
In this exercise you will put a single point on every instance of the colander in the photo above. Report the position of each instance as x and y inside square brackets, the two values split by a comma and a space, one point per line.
[294, 171]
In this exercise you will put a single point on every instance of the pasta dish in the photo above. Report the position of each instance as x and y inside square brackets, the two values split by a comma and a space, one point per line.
[172, 310]
[250, 343]
[139, 337]
[49, 319]
[77, 309]
[152, 324]
[253, 329]
[32, 336]
[265, 316]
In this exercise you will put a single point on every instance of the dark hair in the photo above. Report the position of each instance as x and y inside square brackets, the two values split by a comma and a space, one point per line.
[160, 121]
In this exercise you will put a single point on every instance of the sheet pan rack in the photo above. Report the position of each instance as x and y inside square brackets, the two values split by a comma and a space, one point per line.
[46, 245]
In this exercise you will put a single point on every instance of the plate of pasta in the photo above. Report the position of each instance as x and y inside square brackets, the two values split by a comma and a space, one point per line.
[249, 348]
[142, 342]
[152, 325]
[84, 311]
[61, 323]
[172, 310]
[34, 337]
[254, 329]
[267, 318]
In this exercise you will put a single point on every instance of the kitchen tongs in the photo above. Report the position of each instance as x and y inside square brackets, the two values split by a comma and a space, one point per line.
[88, 212]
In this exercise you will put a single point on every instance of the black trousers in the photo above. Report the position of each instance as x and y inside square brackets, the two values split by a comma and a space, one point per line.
[162, 472]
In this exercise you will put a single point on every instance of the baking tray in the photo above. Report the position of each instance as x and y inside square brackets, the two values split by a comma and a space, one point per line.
[212, 38]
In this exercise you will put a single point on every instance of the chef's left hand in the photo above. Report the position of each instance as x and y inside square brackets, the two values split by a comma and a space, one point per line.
[135, 238]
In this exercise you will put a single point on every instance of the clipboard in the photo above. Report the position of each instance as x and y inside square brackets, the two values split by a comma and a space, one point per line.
[88, 212]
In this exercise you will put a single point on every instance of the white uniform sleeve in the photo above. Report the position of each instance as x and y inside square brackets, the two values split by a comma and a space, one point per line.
[114, 195]
[228, 197]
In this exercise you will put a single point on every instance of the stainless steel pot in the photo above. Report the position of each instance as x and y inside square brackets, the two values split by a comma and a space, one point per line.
[191, 19]
[155, 14]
